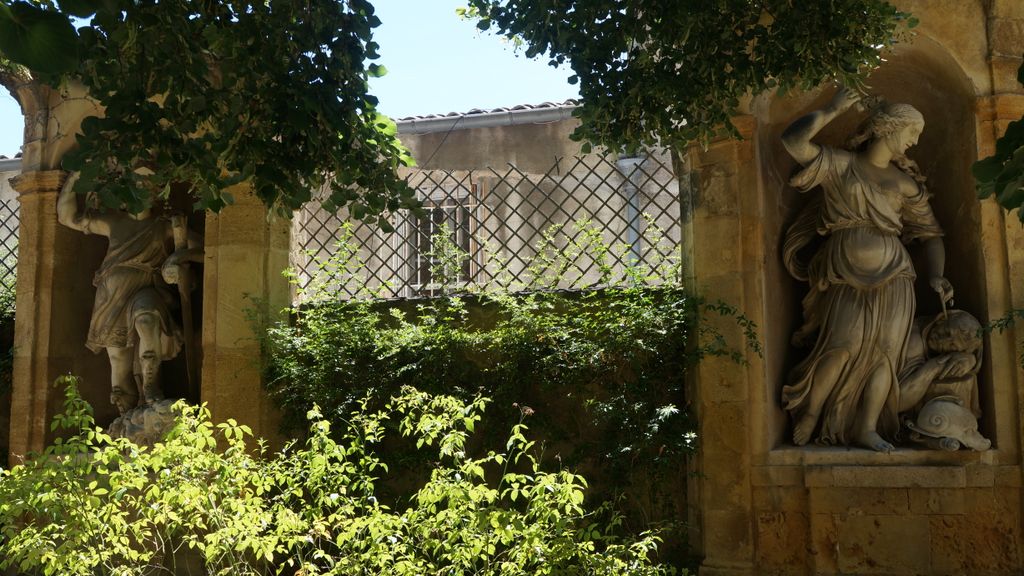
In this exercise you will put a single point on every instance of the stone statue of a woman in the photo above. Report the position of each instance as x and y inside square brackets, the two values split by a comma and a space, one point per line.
[861, 305]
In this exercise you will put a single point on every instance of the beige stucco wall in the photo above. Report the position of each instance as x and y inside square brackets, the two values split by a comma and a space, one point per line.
[531, 147]
[6, 190]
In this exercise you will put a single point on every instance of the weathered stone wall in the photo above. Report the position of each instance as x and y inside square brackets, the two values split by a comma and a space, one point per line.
[861, 514]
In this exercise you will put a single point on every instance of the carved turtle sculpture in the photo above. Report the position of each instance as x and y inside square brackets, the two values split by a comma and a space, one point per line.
[944, 423]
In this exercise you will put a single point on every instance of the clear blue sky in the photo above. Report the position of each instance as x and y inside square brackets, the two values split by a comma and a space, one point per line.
[436, 64]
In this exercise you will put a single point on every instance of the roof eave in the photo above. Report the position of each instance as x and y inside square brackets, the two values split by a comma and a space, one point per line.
[491, 119]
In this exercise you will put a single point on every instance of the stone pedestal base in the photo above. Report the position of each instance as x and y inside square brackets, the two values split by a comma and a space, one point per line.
[145, 425]
[836, 511]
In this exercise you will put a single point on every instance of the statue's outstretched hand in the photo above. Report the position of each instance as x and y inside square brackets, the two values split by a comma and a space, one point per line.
[944, 289]
[843, 100]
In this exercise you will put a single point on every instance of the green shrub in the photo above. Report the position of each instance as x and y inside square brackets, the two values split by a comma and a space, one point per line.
[603, 368]
[93, 505]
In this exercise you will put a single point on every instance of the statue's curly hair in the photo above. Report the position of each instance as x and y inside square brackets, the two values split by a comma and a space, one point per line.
[885, 120]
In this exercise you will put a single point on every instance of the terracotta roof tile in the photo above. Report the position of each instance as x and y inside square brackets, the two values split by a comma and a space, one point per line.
[474, 111]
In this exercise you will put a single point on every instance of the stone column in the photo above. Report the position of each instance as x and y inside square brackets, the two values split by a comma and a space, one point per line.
[246, 251]
[1002, 234]
[1002, 244]
[32, 397]
[53, 298]
[727, 263]
[1005, 43]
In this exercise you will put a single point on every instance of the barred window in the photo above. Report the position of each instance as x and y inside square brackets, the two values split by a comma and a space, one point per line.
[451, 211]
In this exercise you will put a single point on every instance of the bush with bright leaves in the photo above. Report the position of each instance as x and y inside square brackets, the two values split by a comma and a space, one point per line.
[90, 504]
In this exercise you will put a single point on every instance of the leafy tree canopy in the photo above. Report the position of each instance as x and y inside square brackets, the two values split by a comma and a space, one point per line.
[667, 72]
[214, 92]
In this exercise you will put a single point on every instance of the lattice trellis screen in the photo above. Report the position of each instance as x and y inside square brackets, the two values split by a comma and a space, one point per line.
[9, 222]
[508, 223]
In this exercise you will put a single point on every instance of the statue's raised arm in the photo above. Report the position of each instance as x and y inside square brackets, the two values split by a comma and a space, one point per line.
[797, 137]
[69, 214]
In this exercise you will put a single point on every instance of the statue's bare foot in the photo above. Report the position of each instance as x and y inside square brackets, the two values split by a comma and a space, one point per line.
[151, 396]
[804, 428]
[871, 439]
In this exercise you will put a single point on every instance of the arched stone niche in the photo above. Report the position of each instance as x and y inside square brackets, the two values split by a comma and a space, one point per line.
[56, 268]
[924, 75]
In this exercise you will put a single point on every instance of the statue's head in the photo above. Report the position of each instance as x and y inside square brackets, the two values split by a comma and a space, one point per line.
[956, 331]
[898, 125]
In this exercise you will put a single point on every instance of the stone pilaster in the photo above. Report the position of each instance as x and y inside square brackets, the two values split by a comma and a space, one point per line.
[727, 263]
[53, 298]
[1005, 43]
[1002, 244]
[245, 253]
[32, 397]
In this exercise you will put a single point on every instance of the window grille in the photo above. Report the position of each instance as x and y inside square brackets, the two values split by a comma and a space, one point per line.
[452, 211]
[505, 220]
[9, 224]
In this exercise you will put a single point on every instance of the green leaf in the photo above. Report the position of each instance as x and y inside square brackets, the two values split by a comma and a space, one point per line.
[986, 189]
[1012, 195]
[987, 170]
[39, 39]
[1011, 140]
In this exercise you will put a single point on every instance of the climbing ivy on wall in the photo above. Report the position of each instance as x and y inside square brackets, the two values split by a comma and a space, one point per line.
[601, 372]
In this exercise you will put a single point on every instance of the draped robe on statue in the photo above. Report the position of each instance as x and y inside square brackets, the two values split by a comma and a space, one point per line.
[128, 284]
[861, 301]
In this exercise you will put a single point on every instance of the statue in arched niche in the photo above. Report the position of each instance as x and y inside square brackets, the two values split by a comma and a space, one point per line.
[864, 204]
[135, 313]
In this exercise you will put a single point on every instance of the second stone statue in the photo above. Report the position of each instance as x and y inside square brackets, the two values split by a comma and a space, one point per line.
[135, 313]
[863, 204]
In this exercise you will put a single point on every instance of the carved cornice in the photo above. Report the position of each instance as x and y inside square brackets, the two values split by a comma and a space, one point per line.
[39, 181]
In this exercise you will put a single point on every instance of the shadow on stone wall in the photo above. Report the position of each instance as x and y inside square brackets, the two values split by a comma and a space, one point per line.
[6, 361]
